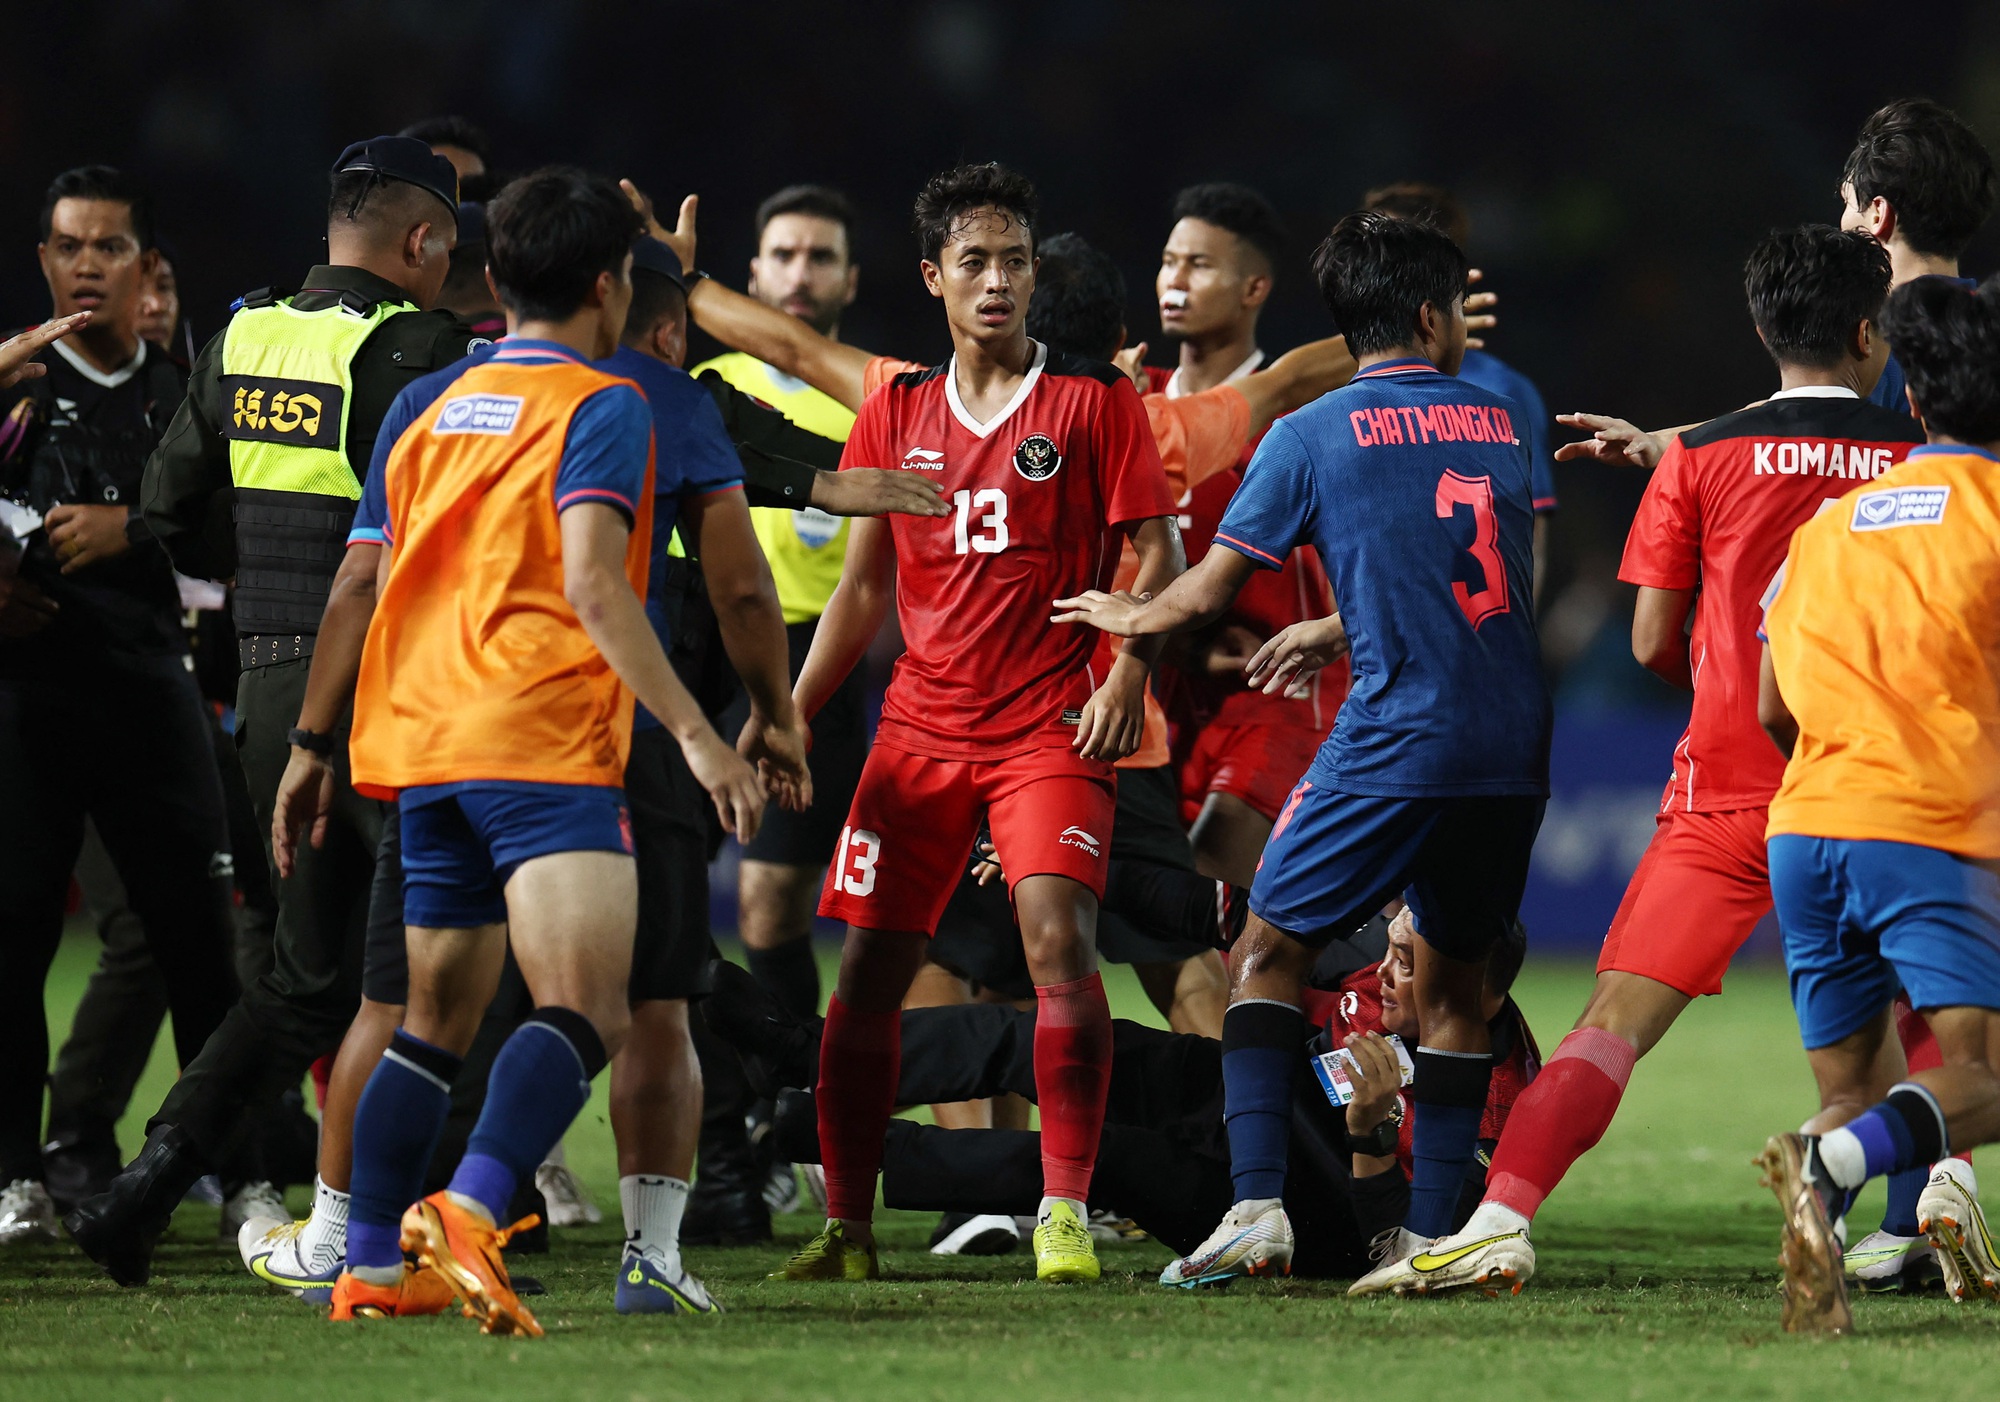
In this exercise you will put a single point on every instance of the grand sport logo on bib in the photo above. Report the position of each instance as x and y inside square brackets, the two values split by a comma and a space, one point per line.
[1899, 506]
[479, 413]
[267, 409]
[1037, 458]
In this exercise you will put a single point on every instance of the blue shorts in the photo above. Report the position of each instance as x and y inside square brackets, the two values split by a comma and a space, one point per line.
[1335, 859]
[462, 841]
[1857, 918]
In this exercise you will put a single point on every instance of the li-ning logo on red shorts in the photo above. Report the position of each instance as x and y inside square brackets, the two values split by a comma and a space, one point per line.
[1074, 836]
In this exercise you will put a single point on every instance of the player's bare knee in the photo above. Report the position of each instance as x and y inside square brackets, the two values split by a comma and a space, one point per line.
[1266, 954]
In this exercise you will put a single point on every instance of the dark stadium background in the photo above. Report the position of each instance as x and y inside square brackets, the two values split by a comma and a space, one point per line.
[1619, 160]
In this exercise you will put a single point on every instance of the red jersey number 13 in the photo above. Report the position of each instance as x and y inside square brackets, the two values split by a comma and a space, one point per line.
[1490, 598]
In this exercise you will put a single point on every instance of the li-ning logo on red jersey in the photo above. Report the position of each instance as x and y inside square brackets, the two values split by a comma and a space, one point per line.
[1037, 458]
[923, 460]
[1074, 836]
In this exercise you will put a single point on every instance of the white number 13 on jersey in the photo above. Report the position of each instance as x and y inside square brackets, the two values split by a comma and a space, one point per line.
[854, 867]
[992, 537]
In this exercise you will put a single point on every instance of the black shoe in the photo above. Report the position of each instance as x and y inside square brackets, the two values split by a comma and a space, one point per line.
[119, 1227]
[777, 1048]
[78, 1170]
[526, 1284]
[968, 1234]
[726, 1217]
[794, 1135]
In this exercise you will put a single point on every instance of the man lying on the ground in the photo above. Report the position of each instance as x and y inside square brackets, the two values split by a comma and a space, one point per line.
[1163, 1160]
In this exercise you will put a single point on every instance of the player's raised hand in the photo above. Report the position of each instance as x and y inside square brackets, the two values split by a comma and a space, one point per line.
[877, 491]
[779, 752]
[1377, 1076]
[305, 799]
[680, 238]
[1611, 441]
[1291, 659]
[17, 353]
[1479, 317]
[731, 783]
[1114, 718]
[1132, 360]
[1114, 613]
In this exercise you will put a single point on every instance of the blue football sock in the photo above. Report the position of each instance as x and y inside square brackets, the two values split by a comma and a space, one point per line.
[1899, 1218]
[540, 1081]
[1262, 1044]
[1449, 1099]
[396, 1126]
[1905, 1131]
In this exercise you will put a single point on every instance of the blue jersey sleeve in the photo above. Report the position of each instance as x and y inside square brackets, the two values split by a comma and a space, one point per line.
[371, 517]
[1277, 505]
[606, 451]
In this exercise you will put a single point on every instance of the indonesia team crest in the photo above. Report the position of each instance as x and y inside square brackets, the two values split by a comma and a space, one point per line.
[1037, 458]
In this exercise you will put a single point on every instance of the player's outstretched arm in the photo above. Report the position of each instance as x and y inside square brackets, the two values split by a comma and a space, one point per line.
[853, 615]
[1296, 653]
[877, 491]
[780, 339]
[745, 600]
[1296, 378]
[17, 354]
[1659, 634]
[1114, 718]
[1616, 442]
[1772, 712]
[1195, 599]
[305, 792]
[593, 544]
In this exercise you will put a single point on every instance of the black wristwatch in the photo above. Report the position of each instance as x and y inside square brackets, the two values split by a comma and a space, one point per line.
[691, 276]
[1380, 1143]
[311, 741]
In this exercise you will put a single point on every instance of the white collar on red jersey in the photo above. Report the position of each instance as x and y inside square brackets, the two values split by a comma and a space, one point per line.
[1817, 392]
[1175, 389]
[972, 425]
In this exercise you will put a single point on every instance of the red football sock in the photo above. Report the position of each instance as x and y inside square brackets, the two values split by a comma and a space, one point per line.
[1559, 1117]
[860, 1055]
[1072, 1078]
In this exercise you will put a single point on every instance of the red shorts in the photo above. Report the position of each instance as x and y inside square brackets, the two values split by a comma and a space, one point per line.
[910, 831]
[1259, 764]
[1699, 891]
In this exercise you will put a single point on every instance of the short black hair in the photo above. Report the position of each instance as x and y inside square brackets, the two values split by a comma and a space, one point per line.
[1947, 339]
[1237, 208]
[1810, 287]
[452, 130]
[949, 195]
[820, 201]
[655, 298]
[548, 236]
[1079, 301]
[1928, 165]
[101, 183]
[1377, 271]
[1419, 199]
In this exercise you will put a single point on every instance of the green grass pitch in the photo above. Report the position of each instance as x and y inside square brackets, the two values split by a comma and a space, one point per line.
[1657, 1260]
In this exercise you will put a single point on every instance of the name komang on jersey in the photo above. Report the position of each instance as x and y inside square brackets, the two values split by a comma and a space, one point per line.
[1037, 493]
[1415, 488]
[1718, 514]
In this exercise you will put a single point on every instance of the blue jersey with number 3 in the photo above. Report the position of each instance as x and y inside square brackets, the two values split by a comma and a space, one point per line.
[1414, 486]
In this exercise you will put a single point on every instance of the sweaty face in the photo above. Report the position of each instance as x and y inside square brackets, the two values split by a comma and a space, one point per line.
[160, 305]
[1397, 974]
[985, 273]
[804, 267]
[93, 262]
[1205, 278]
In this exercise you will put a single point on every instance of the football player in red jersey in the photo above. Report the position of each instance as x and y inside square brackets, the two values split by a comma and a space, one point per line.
[1047, 459]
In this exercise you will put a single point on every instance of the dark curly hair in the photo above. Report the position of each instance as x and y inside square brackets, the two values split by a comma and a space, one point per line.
[1809, 287]
[1079, 301]
[1947, 339]
[1933, 171]
[950, 195]
[1237, 208]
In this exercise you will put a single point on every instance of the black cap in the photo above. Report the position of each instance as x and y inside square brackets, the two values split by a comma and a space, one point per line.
[403, 158]
[471, 222]
[656, 257]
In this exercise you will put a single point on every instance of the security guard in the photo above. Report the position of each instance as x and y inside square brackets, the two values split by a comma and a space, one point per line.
[257, 481]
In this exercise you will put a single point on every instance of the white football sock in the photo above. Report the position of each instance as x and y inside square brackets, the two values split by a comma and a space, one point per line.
[652, 1205]
[1845, 1160]
[1493, 1219]
[1042, 1212]
[323, 1239]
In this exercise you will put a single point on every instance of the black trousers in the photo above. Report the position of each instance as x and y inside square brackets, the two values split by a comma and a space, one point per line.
[1163, 1160]
[299, 1010]
[119, 739]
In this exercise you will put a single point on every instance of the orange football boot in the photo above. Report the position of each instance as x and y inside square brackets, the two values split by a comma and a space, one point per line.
[420, 1291]
[464, 1249]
